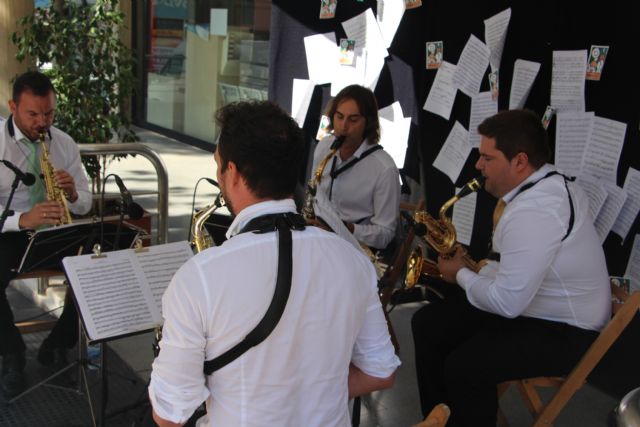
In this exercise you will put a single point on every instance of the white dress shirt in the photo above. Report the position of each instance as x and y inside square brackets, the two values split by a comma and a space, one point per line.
[367, 194]
[539, 275]
[63, 154]
[298, 375]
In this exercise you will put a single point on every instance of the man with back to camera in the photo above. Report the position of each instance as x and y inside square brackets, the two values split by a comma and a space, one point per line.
[536, 310]
[32, 111]
[331, 342]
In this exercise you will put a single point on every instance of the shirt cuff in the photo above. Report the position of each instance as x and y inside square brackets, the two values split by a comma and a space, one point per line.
[464, 276]
[12, 222]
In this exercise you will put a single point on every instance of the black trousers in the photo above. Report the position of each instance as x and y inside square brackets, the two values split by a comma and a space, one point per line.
[65, 332]
[462, 353]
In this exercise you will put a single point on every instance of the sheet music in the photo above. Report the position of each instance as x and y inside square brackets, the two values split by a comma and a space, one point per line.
[394, 136]
[472, 64]
[573, 130]
[631, 206]
[633, 266]
[364, 29]
[389, 16]
[596, 193]
[160, 264]
[109, 294]
[114, 292]
[464, 212]
[610, 209]
[495, 34]
[443, 92]
[322, 57]
[454, 152]
[602, 153]
[350, 74]
[325, 210]
[300, 99]
[567, 80]
[524, 74]
[482, 106]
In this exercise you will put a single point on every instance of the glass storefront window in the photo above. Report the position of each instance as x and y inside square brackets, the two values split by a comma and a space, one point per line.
[200, 55]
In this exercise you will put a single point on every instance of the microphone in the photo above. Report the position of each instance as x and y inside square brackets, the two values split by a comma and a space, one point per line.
[419, 229]
[130, 207]
[26, 177]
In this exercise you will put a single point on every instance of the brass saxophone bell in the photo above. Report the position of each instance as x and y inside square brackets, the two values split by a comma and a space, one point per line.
[414, 268]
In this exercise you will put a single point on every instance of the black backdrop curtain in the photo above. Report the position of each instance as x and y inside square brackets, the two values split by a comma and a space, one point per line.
[536, 30]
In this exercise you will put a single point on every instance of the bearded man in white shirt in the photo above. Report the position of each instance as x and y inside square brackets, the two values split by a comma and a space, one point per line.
[331, 342]
[32, 106]
[537, 307]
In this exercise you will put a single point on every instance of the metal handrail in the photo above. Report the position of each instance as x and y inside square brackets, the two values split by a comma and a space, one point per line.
[161, 172]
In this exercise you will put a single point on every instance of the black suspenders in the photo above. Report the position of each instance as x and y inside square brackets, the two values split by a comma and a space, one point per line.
[283, 223]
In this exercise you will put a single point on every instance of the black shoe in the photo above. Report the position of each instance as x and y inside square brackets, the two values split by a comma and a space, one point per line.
[49, 355]
[13, 382]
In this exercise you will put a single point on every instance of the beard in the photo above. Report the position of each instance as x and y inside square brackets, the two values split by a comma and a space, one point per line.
[227, 202]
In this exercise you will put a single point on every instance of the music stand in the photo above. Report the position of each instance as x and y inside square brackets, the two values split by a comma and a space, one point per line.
[46, 250]
[47, 247]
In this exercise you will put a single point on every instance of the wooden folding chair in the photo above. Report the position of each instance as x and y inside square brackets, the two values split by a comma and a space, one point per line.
[544, 415]
[438, 417]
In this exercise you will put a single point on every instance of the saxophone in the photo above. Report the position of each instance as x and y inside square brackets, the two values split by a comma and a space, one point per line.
[307, 210]
[200, 237]
[441, 236]
[200, 240]
[54, 192]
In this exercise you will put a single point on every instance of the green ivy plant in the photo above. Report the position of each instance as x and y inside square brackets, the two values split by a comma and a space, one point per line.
[78, 46]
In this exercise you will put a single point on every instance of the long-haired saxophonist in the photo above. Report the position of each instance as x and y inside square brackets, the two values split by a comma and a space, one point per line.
[361, 179]
[29, 126]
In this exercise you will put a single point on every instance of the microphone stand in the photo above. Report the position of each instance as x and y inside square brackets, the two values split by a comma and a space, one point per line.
[6, 211]
[116, 241]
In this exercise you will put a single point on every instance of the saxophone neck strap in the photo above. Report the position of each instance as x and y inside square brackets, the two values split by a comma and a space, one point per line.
[335, 172]
[495, 256]
[283, 223]
[12, 131]
[566, 180]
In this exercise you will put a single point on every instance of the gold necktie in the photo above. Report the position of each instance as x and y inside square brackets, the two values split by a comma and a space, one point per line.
[497, 212]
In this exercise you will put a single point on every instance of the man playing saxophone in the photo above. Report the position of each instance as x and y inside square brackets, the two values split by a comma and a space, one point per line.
[537, 307]
[361, 180]
[32, 112]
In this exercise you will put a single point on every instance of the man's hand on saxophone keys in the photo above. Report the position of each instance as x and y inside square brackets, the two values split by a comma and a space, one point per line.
[41, 213]
[450, 265]
[65, 181]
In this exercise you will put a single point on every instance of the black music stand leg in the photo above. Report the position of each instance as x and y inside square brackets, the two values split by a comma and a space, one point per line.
[355, 415]
[104, 385]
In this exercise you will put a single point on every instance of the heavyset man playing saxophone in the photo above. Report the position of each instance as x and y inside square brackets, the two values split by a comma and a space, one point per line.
[32, 110]
[535, 311]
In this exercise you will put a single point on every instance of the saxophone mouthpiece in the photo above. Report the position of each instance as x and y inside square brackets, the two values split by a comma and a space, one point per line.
[337, 143]
[471, 187]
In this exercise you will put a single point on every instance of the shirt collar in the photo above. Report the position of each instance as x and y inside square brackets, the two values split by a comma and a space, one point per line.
[546, 168]
[362, 148]
[259, 209]
[17, 133]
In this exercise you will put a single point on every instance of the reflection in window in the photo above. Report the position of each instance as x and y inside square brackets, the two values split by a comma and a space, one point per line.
[202, 55]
